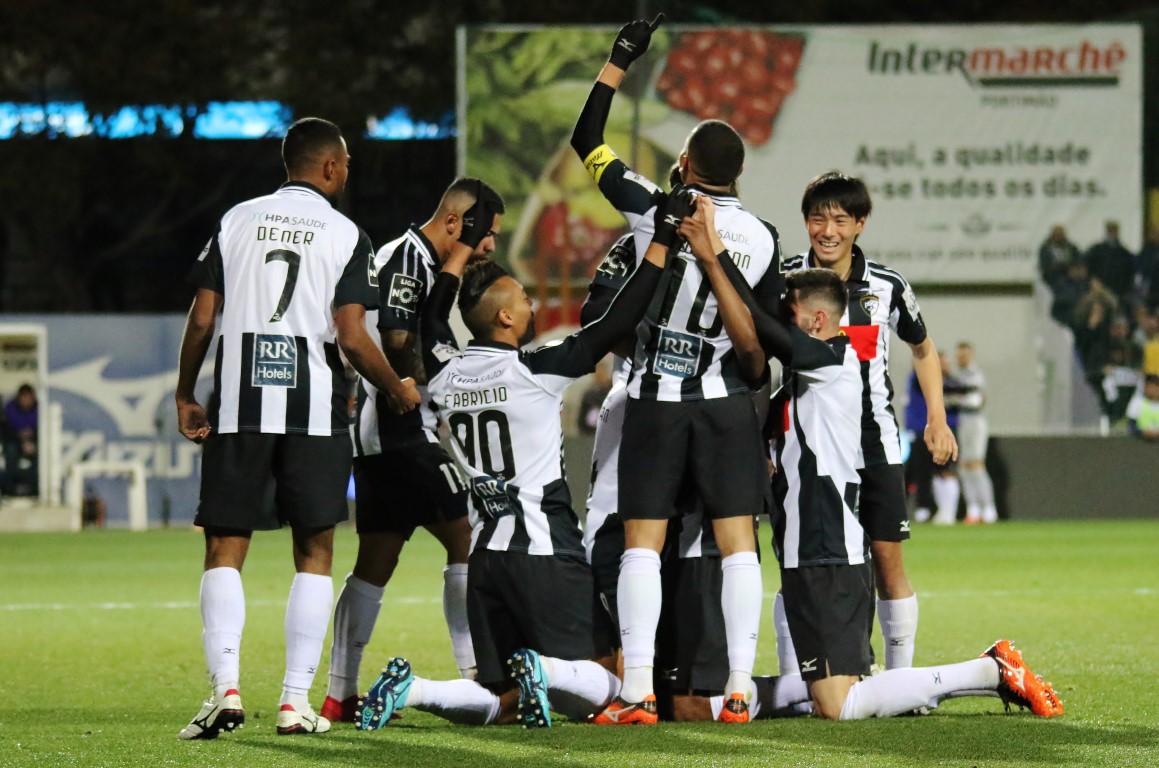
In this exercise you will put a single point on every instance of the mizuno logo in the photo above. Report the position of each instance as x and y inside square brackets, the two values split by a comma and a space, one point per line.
[626, 45]
[672, 220]
[1017, 674]
[809, 666]
[905, 526]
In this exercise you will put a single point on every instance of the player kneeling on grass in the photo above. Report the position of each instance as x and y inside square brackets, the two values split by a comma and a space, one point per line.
[825, 574]
[529, 585]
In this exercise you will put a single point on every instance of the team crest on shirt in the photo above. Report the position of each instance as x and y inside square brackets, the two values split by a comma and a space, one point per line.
[275, 361]
[404, 294]
[869, 304]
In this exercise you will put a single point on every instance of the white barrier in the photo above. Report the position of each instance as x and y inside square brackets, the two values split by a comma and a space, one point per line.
[79, 472]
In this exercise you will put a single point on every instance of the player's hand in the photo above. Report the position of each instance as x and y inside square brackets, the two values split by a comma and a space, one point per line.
[698, 229]
[632, 41]
[192, 421]
[669, 214]
[405, 398]
[479, 218]
[940, 440]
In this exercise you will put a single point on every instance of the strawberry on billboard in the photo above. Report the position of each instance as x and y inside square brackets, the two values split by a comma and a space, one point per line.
[974, 140]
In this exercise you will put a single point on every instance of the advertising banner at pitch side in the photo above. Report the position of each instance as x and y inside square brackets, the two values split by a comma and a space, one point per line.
[974, 140]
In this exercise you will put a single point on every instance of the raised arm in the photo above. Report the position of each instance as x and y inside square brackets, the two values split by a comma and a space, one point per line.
[438, 338]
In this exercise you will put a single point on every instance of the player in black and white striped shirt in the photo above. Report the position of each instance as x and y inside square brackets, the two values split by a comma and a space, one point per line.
[281, 269]
[835, 208]
[688, 393]
[529, 585]
[821, 544]
[403, 477]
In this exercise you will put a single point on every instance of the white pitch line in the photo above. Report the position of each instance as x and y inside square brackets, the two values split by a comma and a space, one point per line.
[174, 605]
[987, 593]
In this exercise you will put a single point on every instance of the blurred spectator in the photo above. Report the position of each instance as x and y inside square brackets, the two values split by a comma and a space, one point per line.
[946, 486]
[919, 467]
[1113, 264]
[1092, 331]
[593, 398]
[1147, 271]
[973, 438]
[1055, 255]
[1068, 290]
[1143, 411]
[1149, 326]
[20, 443]
[1121, 372]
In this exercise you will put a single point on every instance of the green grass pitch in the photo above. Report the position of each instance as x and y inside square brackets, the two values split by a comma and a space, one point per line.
[102, 663]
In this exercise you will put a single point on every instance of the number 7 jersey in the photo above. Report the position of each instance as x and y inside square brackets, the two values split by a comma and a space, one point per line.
[283, 262]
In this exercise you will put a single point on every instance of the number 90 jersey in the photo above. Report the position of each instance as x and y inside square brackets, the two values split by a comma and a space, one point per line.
[502, 408]
[282, 262]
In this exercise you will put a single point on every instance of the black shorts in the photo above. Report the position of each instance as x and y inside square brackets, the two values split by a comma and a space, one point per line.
[882, 508]
[607, 549]
[260, 482]
[715, 444]
[829, 608]
[692, 650]
[398, 491]
[516, 600]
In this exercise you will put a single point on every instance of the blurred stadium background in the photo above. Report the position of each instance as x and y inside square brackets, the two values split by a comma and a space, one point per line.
[120, 149]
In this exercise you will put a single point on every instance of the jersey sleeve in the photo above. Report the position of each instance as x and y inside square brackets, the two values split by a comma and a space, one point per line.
[812, 355]
[438, 339]
[208, 271]
[402, 290]
[358, 283]
[612, 275]
[559, 363]
[905, 316]
[629, 193]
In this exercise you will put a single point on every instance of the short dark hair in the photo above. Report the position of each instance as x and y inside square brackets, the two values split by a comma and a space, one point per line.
[306, 140]
[835, 189]
[470, 185]
[1151, 378]
[716, 152]
[477, 278]
[823, 284]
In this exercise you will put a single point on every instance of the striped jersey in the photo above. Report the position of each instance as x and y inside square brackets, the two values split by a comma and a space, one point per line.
[283, 262]
[682, 350]
[502, 409]
[973, 396]
[880, 300]
[405, 269]
[816, 485]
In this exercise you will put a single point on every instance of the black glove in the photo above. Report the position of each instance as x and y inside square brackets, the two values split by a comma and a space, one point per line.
[670, 212]
[479, 218]
[632, 41]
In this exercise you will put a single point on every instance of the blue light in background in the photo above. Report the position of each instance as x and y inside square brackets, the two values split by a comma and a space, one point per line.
[220, 120]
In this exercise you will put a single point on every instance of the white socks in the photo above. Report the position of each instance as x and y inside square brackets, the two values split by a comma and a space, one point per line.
[946, 493]
[638, 596]
[463, 702]
[307, 615]
[578, 689]
[786, 653]
[899, 628]
[903, 690]
[741, 595]
[354, 618]
[222, 618]
[455, 612]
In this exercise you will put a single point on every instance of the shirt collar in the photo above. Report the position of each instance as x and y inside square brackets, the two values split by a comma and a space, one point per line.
[305, 186]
